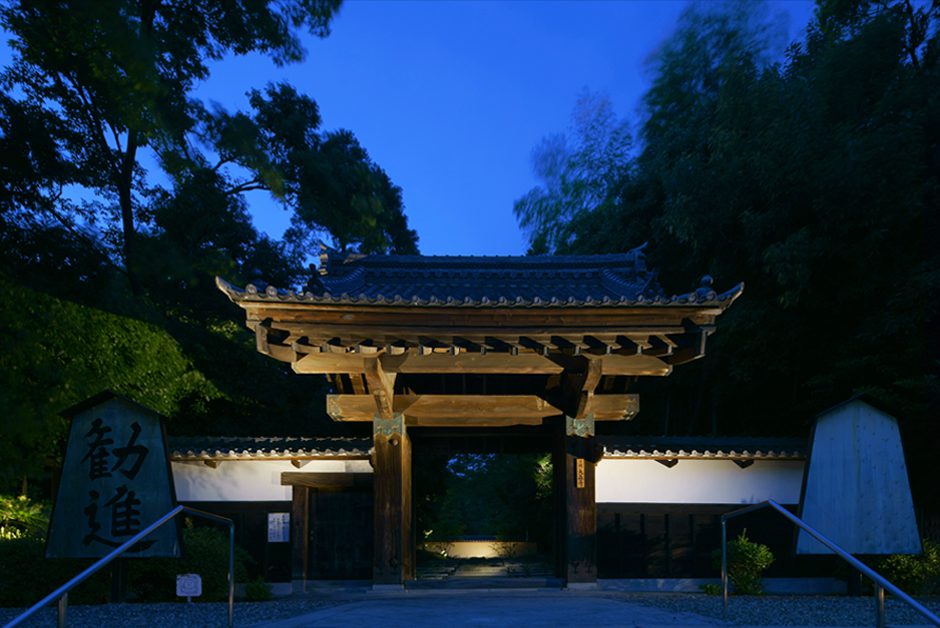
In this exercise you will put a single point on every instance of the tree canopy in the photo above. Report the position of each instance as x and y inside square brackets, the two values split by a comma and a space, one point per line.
[122, 195]
[813, 176]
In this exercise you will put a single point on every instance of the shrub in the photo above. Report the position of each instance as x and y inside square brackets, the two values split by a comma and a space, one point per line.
[22, 518]
[914, 574]
[711, 589]
[204, 552]
[747, 561]
[258, 591]
[26, 576]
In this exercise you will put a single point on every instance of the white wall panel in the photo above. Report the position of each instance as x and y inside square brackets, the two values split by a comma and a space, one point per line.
[698, 482]
[248, 480]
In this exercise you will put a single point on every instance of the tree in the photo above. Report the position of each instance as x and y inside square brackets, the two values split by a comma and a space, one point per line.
[814, 180]
[580, 173]
[114, 78]
[97, 90]
[327, 178]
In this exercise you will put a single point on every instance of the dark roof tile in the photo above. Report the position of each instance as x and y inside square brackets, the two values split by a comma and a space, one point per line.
[703, 447]
[496, 281]
[261, 447]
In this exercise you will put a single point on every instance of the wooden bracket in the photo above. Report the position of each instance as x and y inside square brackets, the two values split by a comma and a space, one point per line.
[261, 336]
[382, 387]
[263, 343]
[581, 376]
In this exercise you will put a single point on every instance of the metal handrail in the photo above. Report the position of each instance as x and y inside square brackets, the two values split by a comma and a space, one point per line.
[62, 593]
[881, 584]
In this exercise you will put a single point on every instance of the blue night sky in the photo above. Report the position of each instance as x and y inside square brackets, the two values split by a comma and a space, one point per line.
[451, 97]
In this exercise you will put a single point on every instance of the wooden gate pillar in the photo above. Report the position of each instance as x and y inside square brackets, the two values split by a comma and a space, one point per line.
[299, 537]
[579, 456]
[394, 544]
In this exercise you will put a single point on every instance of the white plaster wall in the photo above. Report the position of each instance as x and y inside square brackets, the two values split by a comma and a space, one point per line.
[698, 482]
[248, 480]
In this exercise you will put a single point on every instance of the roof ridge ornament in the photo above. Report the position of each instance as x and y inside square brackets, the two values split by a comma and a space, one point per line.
[331, 257]
[705, 292]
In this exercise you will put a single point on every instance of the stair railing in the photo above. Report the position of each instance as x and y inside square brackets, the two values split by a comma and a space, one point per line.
[881, 583]
[62, 593]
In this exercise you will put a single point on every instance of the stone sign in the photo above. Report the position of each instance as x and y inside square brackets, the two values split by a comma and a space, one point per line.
[115, 482]
[855, 489]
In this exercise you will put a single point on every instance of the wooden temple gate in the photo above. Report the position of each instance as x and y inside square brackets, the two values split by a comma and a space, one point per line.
[482, 342]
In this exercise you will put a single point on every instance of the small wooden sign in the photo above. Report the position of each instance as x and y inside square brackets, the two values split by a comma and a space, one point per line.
[188, 585]
[278, 527]
[579, 473]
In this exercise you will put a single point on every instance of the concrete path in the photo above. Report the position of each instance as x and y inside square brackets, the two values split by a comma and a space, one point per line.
[491, 608]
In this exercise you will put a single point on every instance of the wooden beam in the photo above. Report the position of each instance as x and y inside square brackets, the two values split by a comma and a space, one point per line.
[329, 363]
[614, 407]
[598, 346]
[532, 344]
[431, 410]
[482, 410]
[326, 480]
[477, 363]
[502, 344]
[615, 364]
[635, 365]
[357, 384]
[461, 321]
[490, 363]
[689, 345]
[660, 346]
[567, 345]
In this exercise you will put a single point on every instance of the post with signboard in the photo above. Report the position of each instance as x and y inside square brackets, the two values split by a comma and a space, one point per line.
[115, 482]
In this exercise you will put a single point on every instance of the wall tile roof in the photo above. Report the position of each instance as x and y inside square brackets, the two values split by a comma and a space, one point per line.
[261, 448]
[219, 448]
[702, 447]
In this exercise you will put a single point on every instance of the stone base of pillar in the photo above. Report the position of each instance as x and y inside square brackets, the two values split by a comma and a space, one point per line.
[388, 588]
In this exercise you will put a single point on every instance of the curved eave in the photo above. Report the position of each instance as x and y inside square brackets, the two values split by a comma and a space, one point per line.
[272, 295]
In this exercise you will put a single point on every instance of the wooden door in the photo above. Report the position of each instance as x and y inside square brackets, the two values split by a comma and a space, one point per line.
[340, 534]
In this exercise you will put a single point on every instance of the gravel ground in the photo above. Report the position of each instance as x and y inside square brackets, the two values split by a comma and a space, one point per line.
[787, 610]
[767, 610]
[175, 615]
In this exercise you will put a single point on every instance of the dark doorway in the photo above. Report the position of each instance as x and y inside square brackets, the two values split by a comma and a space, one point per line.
[484, 508]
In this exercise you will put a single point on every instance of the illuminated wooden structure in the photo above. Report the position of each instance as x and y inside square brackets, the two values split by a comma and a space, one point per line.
[462, 342]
